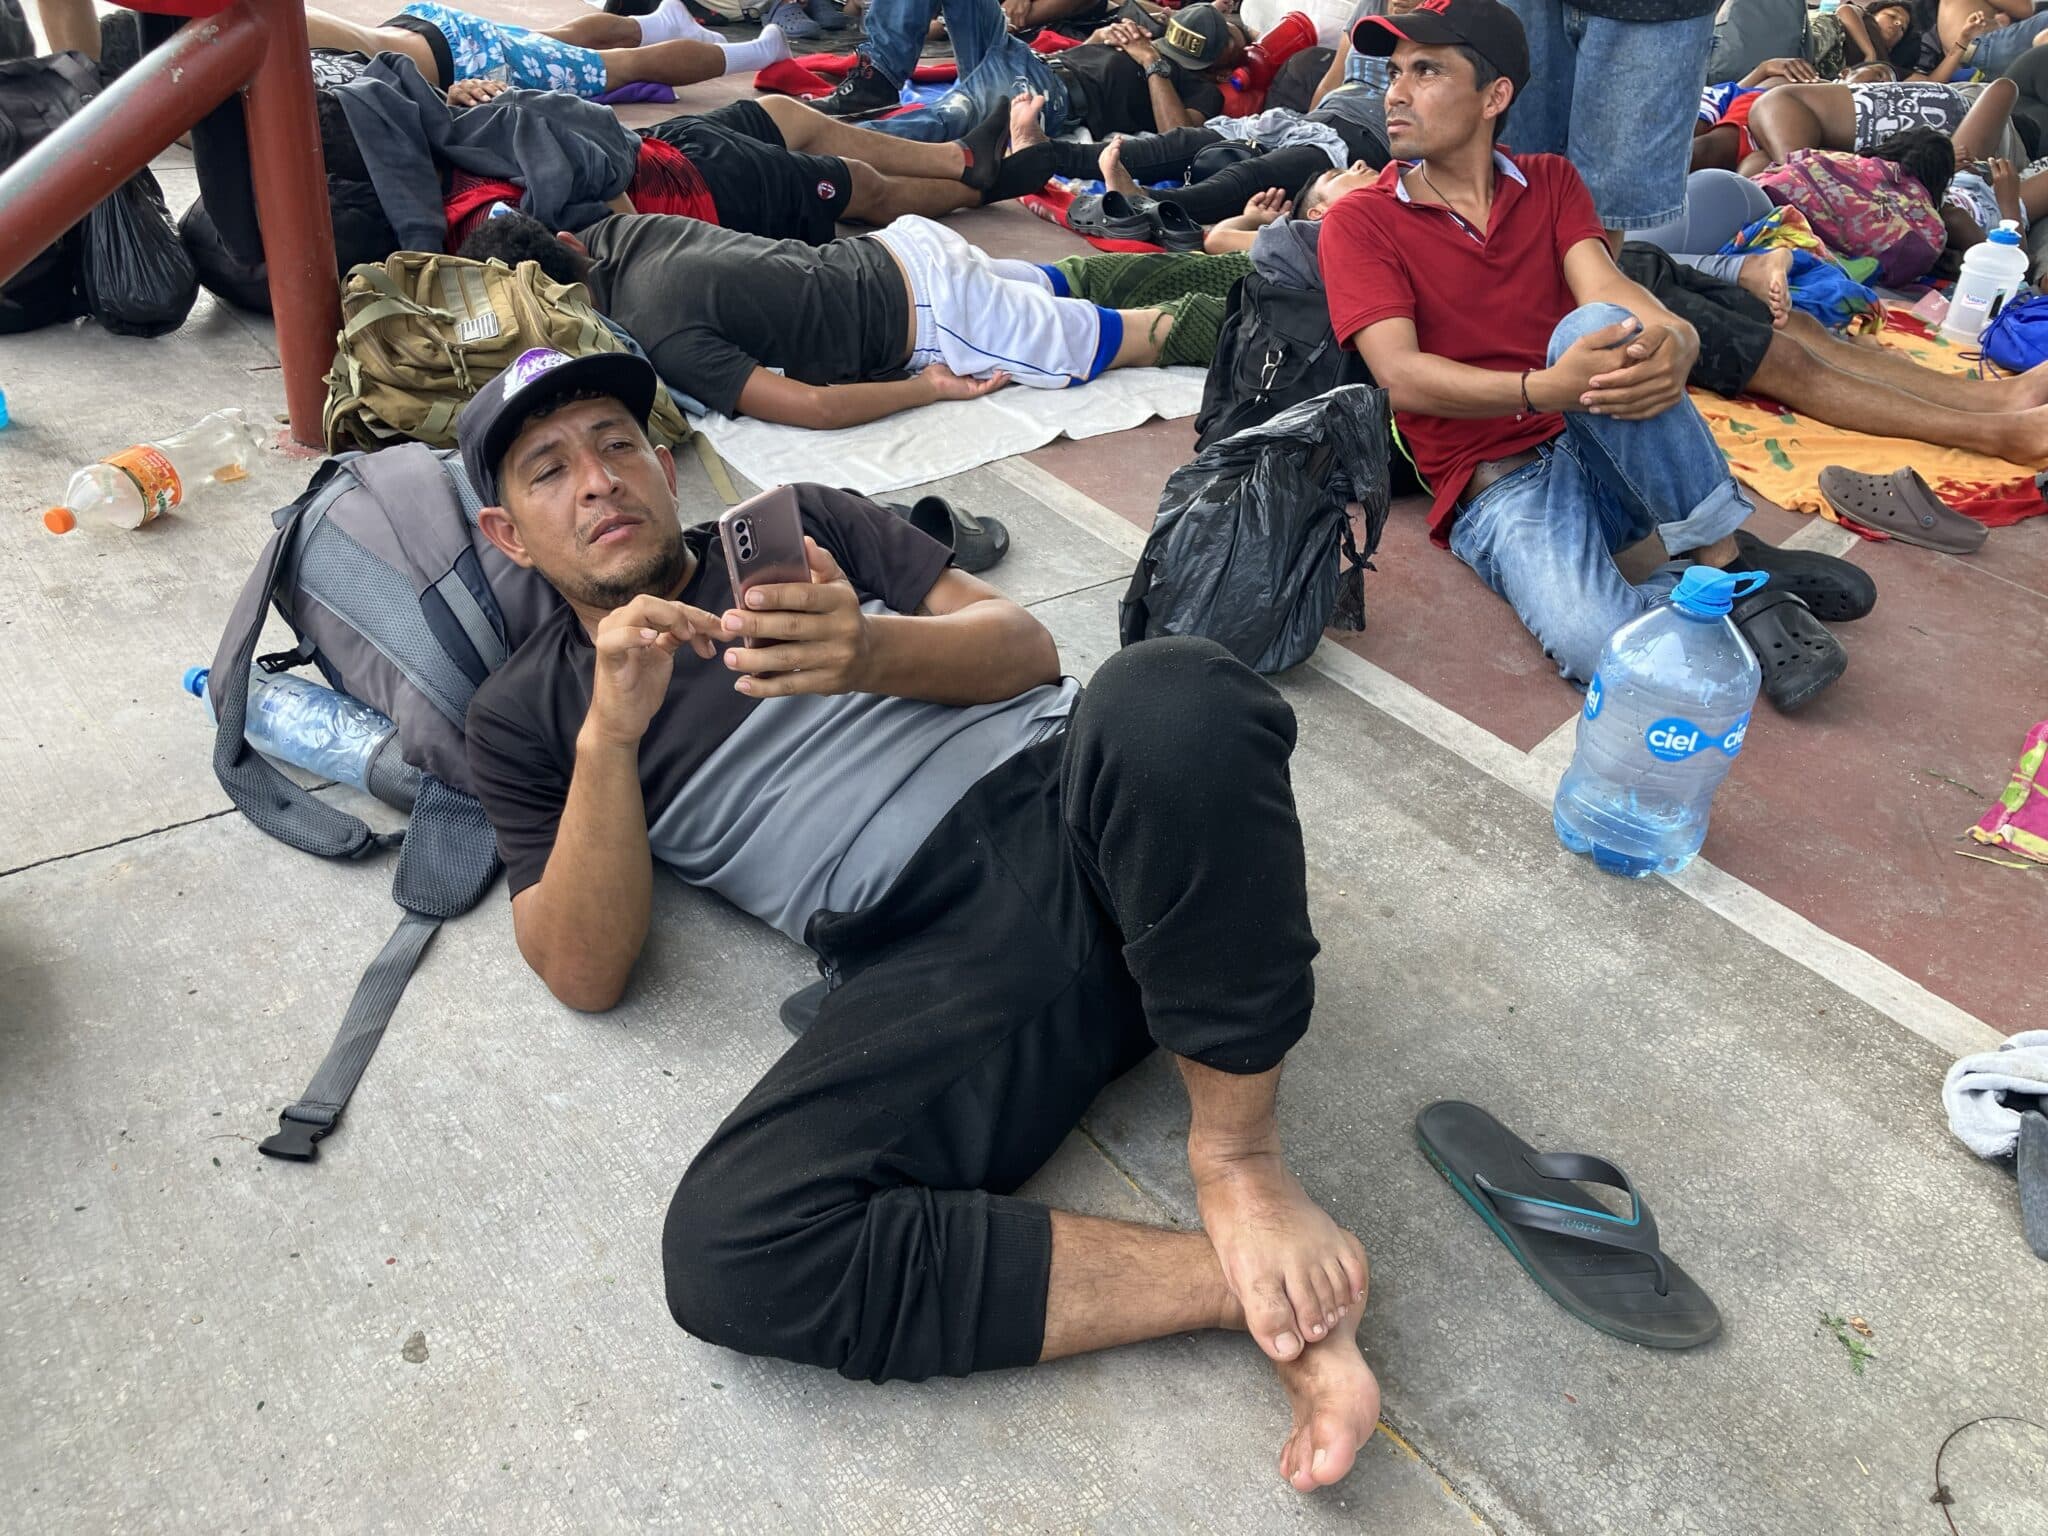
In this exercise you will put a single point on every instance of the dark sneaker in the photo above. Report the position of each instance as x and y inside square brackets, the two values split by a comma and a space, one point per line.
[866, 90]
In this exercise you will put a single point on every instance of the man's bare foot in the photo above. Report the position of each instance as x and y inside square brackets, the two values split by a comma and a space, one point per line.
[1336, 1402]
[2028, 389]
[1295, 1272]
[1768, 275]
[2020, 437]
[1114, 177]
[1027, 121]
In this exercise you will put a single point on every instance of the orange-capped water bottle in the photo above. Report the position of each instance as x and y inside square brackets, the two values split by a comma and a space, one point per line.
[140, 484]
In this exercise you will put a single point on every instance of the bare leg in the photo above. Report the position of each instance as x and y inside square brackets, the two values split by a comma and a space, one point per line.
[677, 63]
[1717, 148]
[1882, 365]
[810, 132]
[877, 198]
[1977, 135]
[598, 31]
[1803, 117]
[1767, 274]
[72, 25]
[1293, 1270]
[1114, 1283]
[1803, 380]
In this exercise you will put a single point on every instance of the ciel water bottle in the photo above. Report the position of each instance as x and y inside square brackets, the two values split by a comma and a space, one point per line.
[1664, 718]
[324, 732]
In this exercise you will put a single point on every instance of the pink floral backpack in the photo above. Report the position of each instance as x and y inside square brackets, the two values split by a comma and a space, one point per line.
[1861, 206]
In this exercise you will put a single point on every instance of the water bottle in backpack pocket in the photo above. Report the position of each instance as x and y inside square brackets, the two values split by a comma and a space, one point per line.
[1664, 718]
[297, 721]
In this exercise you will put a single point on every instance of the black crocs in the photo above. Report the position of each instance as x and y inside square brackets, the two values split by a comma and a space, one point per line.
[1798, 656]
[1835, 590]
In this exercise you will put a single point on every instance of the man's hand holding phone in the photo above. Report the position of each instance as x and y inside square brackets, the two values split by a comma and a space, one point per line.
[636, 647]
[820, 637]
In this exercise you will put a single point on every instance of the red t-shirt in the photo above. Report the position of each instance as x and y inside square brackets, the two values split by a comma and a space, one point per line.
[1490, 303]
[663, 181]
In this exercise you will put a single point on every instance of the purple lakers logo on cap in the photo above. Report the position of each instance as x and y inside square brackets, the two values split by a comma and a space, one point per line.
[530, 365]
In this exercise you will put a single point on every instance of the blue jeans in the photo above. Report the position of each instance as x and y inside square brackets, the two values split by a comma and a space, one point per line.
[1619, 98]
[1545, 536]
[2002, 47]
[992, 64]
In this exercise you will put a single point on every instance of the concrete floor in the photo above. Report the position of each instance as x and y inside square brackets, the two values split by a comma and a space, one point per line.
[453, 1320]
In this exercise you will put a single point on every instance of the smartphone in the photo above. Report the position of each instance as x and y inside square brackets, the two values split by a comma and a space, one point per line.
[764, 545]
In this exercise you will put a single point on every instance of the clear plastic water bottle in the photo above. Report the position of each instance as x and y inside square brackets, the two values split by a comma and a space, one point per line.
[1664, 718]
[1993, 271]
[322, 731]
[140, 484]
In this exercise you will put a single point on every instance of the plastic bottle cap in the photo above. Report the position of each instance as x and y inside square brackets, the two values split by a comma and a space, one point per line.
[195, 681]
[1706, 593]
[2007, 233]
[60, 520]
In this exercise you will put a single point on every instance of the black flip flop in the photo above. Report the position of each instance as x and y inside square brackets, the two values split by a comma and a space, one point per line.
[978, 543]
[1606, 1270]
[1799, 657]
[1902, 505]
[1835, 590]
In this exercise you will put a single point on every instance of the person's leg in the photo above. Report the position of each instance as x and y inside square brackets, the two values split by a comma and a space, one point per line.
[1224, 195]
[1007, 71]
[1117, 280]
[877, 199]
[1540, 121]
[220, 159]
[2030, 111]
[808, 131]
[1718, 205]
[668, 23]
[328, 31]
[894, 37]
[1804, 117]
[2002, 47]
[1666, 472]
[71, 25]
[1635, 100]
[682, 62]
[1982, 129]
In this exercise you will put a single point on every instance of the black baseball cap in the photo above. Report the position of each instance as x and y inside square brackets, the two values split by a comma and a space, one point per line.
[539, 377]
[1196, 37]
[1487, 27]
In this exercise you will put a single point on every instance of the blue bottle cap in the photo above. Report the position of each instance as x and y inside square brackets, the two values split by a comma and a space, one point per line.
[195, 681]
[1705, 593]
[2007, 233]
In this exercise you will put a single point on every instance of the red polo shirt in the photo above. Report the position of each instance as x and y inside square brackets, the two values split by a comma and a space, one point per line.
[1490, 302]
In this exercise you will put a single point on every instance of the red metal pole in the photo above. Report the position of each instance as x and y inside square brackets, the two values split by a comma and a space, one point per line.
[60, 181]
[290, 179]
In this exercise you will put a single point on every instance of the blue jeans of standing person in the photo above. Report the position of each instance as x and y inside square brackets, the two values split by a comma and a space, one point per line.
[992, 64]
[1619, 98]
[2002, 47]
[1545, 536]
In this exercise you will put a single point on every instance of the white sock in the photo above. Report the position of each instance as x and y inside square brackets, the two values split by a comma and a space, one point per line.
[770, 47]
[674, 23]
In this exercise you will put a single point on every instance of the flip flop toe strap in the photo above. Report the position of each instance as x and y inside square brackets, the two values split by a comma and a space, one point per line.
[1633, 1233]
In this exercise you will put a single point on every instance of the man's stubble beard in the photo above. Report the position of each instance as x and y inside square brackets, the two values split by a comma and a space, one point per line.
[659, 575]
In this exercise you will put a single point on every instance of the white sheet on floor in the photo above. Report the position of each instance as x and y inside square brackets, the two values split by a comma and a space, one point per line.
[953, 436]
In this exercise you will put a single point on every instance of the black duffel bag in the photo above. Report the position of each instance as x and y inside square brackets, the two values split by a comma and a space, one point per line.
[36, 97]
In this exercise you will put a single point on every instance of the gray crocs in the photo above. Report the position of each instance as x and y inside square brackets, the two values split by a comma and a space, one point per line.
[1903, 505]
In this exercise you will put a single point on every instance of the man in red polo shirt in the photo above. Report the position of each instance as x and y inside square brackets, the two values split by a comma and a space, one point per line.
[1541, 392]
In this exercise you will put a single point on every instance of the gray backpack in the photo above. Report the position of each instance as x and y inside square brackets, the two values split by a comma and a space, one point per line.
[400, 601]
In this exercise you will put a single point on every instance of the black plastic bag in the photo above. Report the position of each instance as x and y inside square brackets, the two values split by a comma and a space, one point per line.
[137, 277]
[1253, 545]
[361, 234]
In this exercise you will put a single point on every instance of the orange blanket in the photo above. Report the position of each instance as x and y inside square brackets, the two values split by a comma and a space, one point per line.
[1782, 454]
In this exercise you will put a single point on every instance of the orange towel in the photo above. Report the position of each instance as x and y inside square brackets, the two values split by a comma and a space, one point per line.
[1782, 454]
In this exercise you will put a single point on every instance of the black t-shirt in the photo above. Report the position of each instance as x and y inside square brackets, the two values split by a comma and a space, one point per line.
[1112, 89]
[524, 719]
[711, 304]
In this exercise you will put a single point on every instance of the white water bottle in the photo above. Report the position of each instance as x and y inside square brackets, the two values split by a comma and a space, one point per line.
[140, 484]
[1992, 274]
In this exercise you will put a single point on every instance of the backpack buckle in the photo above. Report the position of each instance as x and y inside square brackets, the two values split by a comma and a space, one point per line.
[1271, 371]
[293, 1140]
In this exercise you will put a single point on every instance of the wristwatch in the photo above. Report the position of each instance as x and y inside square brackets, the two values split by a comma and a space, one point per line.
[1157, 68]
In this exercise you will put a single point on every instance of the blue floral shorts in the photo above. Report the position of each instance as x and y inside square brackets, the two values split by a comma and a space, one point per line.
[483, 48]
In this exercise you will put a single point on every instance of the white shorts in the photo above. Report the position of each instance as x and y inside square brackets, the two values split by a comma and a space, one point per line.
[977, 313]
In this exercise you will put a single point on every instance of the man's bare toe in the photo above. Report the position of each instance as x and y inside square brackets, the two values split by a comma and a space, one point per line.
[1336, 1401]
[1026, 125]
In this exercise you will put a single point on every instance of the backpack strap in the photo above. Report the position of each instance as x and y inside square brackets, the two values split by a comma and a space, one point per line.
[276, 804]
[449, 859]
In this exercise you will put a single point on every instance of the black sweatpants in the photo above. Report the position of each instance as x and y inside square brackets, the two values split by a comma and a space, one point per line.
[1151, 157]
[1135, 881]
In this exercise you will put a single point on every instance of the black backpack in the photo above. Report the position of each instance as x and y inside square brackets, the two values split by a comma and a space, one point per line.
[36, 97]
[1274, 349]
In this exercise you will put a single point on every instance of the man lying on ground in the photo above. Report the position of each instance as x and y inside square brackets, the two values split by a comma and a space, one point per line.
[1018, 889]
[1121, 80]
[721, 312]
[592, 55]
[1536, 502]
[1857, 118]
[777, 168]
